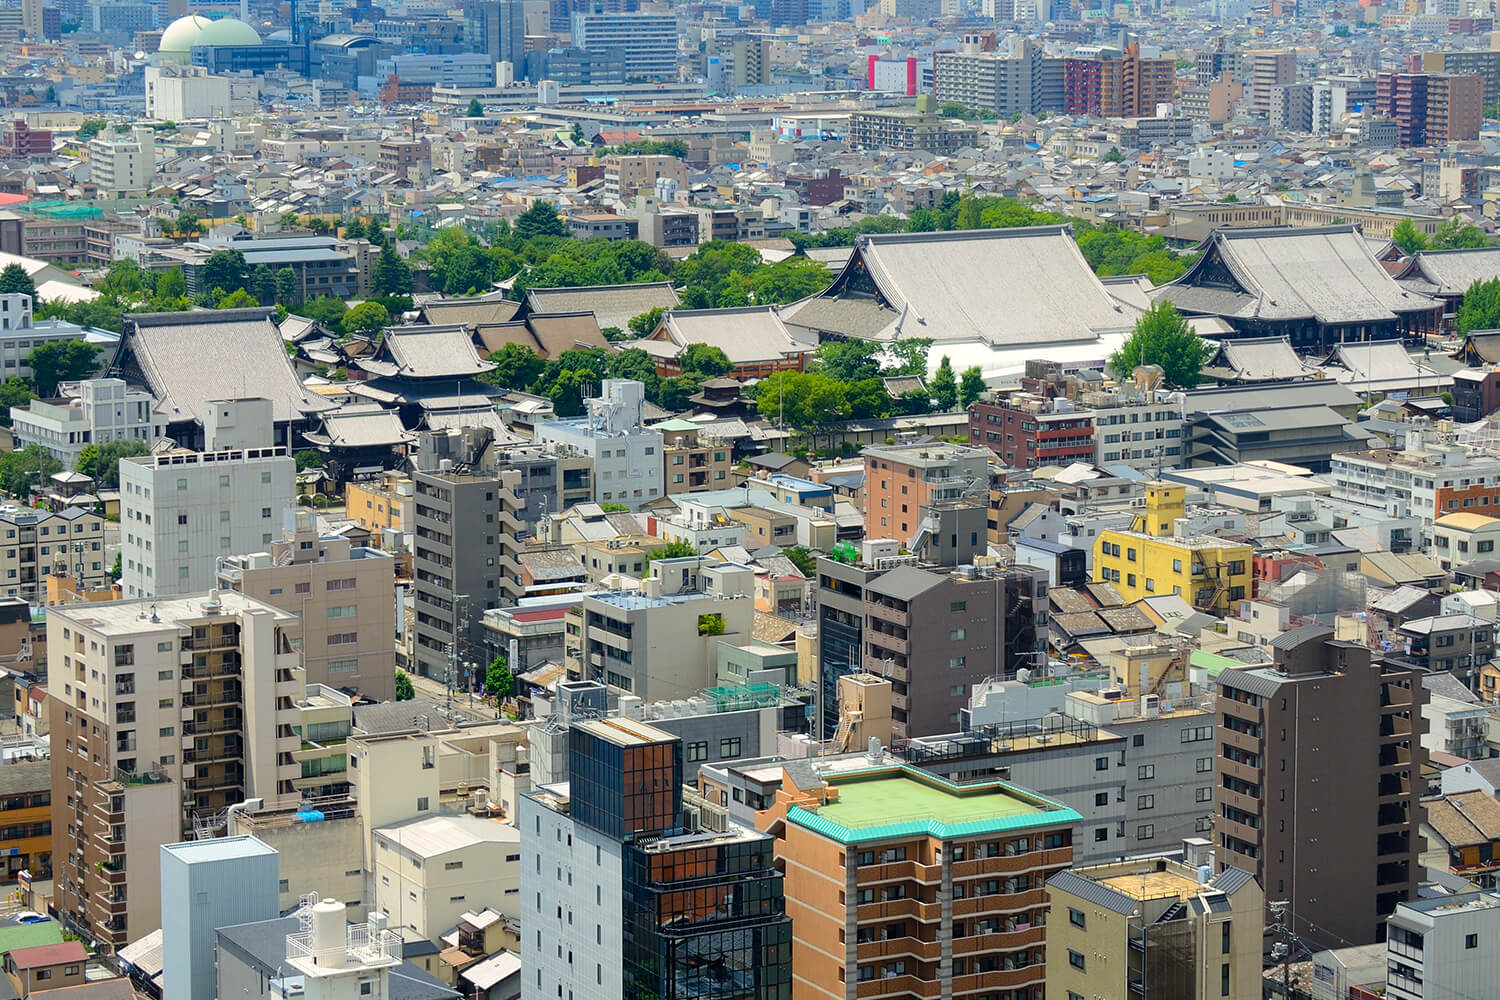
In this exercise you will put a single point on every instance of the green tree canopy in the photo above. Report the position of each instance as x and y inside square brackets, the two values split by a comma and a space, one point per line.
[646, 323]
[1457, 235]
[1162, 337]
[102, 462]
[61, 361]
[516, 367]
[15, 281]
[804, 400]
[307, 458]
[286, 286]
[678, 548]
[237, 299]
[944, 386]
[970, 385]
[391, 275]
[476, 110]
[224, 269]
[13, 392]
[498, 682]
[705, 360]
[1480, 309]
[541, 219]
[327, 310]
[404, 690]
[1407, 238]
[366, 319]
[25, 470]
[847, 361]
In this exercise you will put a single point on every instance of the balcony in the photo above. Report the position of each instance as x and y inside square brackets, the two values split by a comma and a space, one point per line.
[999, 941]
[886, 613]
[901, 947]
[911, 871]
[881, 912]
[896, 986]
[1000, 902]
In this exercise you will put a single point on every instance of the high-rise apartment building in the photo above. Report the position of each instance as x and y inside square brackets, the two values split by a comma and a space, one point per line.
[626, 454]
[164, 713]
[123, 165]
[649, 41]
[1319, 783]
[182, 511]
[629, 891]
[1115, 84]
[1155, 928]
[904, 884]
[1482, 62]
[1431, 109]
[901, 479]
[1023, 82]
[342, 594]
[468, 535]
[1262, 70]
[36, 543]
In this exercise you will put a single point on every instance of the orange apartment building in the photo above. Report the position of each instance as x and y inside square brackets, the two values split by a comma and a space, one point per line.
[903, 884]
[382, 504]
[26, 818]
[901, 479]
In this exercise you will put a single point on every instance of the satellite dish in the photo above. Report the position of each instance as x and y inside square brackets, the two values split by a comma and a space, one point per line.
[140, 53]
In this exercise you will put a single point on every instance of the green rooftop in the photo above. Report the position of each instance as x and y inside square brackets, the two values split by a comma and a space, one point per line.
[29, 936]
[901, 801]
[1212, 663]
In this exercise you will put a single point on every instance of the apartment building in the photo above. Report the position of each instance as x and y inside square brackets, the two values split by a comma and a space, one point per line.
[1025, 430]
[94, 411]
[901, 883]
[629, 890]
[626, 455]
[901, 479]
[1426, 479]
[381, 505]
[1116, 84]
[35, 544]
[342, 595]
[1261, 71]
[1434, 947]
[693, 463]
[649, 41]
[917, 129]
[26, 819]
[432, 869]
[661, 642]
[123, 165]
[628, 176]
[181, 511]
[1431, 109]
[1159, 555]
[164, 713]
[1024, 82]
[1484, 63]
[468, 534]
[1156, 928]
[1319, 782]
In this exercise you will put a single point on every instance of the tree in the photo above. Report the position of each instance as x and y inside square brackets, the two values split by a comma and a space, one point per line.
[286, 286]
[102, 462]
[802, 399]
[367, 318]
[392, 275]
[476, 110]
[676, 393]
[15, 281]
[91, 128]
[307, 458]
[516, 367]
[60, 361]
[789, 280]
[677, 548]
[13, 392]
[541, 219]
[319, 225]
[289, 220]
[805, 561]
[970, 385]
[1162, 337]
[577, 134]
[1113, 156]
[1480, 309]
[634, 363]
[354, 229]
[224, 269]
[968, 212]
[326, 310]
[944, 386]
[118, 569]
[910, 357]
[706, 360]
[25, 470]
[646, 323]
[404, 690]
[847, 361]
[238, 299]
[187, 223]
[1456, 235]
[1407, 238]
[1231, 198]
[263, 285]
[498, 682]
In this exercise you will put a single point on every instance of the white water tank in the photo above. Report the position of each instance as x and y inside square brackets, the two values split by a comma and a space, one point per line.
[327, 936]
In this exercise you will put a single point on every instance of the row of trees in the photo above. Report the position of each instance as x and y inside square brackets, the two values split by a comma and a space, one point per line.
[1451, 235]
[568, 379]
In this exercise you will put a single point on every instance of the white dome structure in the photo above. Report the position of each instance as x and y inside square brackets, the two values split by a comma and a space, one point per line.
[182, 34]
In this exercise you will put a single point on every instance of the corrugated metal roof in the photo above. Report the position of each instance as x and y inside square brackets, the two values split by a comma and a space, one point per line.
[1093, 892]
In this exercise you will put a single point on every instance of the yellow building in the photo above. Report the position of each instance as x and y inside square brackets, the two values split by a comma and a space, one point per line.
[378, 504]
[1158, 556]
[26, 818]
[1155, 926]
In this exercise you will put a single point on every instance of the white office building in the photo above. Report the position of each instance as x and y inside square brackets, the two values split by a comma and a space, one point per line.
[95, 411]
[20, 334]
[649, 41]
[627, 457]
[123, 165]
[1443, 947]
[181, 510]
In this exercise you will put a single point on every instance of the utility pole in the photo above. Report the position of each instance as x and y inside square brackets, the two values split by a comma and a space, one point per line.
[1282, 949]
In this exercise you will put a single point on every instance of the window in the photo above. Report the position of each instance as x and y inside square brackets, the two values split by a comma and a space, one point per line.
[1101, 834]
[1471, 941]
[1145, 801]
[958, 606]
[1194, 734]
[1139, 740]
[697, 751]
[1075, 958]
[1224, 940]
[1224, 975]
[1205, 764]
[1145, 772]
[1204, 794]
[956, 634]
[729, 747]
[1101, 763]
[343, 611]
[422, 803]
[1101, 798]
[1145, 831]
[1076, 918]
